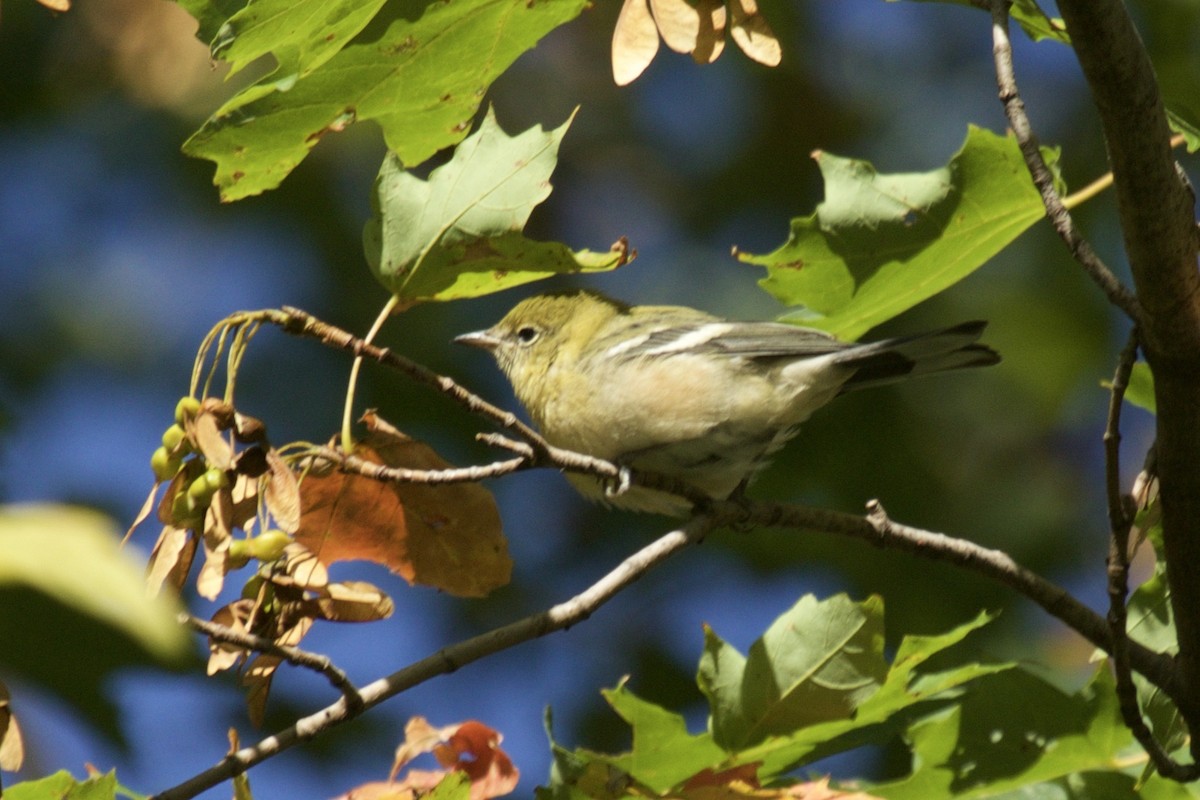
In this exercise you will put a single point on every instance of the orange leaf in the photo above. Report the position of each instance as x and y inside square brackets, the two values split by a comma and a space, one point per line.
[446, 536]
[470, 747]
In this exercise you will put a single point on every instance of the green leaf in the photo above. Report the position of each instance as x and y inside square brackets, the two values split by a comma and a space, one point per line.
[419, 69]
[455, 786]
[1037, 24]
[458, 234]
[881, 243]
[1183, 121]
[665, 755]
[72, 555]
[582, 773]
[211, 14]
[1140, 391]
[302, 34]
[816, 663]
[66, 589]
[904, 690]
[1010, 732]
[63, 786]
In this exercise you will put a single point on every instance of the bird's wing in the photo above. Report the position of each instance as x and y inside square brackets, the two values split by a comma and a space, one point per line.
[753, 340]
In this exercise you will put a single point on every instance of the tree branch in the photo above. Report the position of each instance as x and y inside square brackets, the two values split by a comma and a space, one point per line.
[449, 659]
[1158, 225]
[293, 655]
[878, 529]
[1121, 515]
[1043, 178]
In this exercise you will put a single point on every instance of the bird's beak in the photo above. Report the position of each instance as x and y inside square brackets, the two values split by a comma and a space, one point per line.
[484, 340]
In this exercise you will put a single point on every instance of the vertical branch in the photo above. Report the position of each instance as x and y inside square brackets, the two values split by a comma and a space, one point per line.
[1120, 516]
[1056, 209]
[1158, 226]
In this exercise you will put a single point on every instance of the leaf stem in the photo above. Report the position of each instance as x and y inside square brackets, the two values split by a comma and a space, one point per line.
[348, 410]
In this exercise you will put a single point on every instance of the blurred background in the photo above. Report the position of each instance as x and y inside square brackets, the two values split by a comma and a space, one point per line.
[116, 258]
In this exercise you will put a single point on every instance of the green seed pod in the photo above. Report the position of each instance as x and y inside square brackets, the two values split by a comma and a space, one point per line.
[186, 408]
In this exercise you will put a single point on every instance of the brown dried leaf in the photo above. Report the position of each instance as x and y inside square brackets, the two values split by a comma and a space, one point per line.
[259, 672]
[752, 33]
[178, 484]
[679, 23]
[170, 560]
[354, 601]
[142, 515]
[261, 669]
[447, 536]
[244, 493]
[710, 41]
[12, 746]
[205, 433]
[222, 655]
[218, 535]
[635, 42]
[469, 747]
[282, 494]
[419, 737]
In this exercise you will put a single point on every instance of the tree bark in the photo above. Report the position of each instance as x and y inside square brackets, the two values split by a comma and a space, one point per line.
[1156, 210]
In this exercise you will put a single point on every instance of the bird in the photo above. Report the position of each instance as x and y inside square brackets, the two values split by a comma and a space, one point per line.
[682, 393]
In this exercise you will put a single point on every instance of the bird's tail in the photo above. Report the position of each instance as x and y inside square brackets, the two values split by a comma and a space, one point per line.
[891, 360]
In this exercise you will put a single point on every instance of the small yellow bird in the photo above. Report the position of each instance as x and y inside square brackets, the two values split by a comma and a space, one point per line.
[679, 392]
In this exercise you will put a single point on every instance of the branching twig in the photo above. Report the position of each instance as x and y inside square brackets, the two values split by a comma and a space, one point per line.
[878, 529]
[1014, 108]
[1120, 514]
[382, 472]
[301, 323]
[556, 618]
[293, 655]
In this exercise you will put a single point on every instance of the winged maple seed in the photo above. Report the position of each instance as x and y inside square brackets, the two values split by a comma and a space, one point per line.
[220, 473]
[696, 27]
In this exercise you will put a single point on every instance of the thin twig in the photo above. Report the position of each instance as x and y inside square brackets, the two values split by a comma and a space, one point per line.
[293, 655]
[1121, 516]
[1060, 217]
[382, 472]
[881, 531]
[451, 658]
[301, 323]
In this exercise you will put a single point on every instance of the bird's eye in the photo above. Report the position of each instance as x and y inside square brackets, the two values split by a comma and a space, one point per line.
[528, 334]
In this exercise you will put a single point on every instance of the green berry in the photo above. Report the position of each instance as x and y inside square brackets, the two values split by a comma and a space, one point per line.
[269, 545]
[173, 437]
[200, 490]
[254, 585]
[237, 557]
[185, 512]
[164, 464]
[186, 408]
[215, 479]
